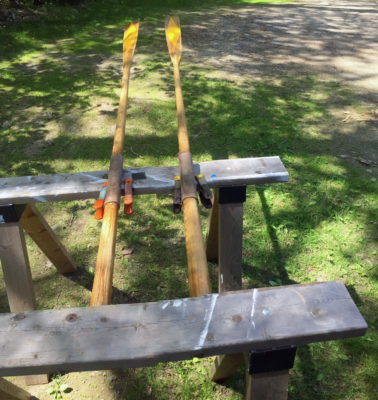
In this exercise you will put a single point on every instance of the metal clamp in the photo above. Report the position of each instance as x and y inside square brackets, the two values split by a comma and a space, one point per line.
[99, 205]
[128, 199]
[177, 200]
[11, 213]
[204, 191]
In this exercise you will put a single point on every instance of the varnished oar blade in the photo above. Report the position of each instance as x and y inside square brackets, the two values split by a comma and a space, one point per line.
[129, 41]
[173, 35]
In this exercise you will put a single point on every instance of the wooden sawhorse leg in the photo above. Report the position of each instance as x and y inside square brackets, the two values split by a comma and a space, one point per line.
[9, 391]
[15, 260]
[224, 243]
[39, 230]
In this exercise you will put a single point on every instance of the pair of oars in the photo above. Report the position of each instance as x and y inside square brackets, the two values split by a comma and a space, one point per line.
[199, 283]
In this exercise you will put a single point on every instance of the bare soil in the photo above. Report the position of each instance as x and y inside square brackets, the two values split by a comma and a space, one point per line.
[335, 40]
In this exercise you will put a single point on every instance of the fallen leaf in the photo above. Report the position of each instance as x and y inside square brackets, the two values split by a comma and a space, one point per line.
[127, 252]
[363, 161]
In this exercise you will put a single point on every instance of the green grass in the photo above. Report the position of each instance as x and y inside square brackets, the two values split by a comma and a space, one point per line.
[59, 77]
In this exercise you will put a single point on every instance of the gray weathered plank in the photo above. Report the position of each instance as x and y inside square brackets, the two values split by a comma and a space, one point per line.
[84, 185]
[268, 386]
[230, 246]
[135, 335]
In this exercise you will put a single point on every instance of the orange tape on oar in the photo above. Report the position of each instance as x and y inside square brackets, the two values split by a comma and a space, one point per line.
[128, 201]
[99, 205]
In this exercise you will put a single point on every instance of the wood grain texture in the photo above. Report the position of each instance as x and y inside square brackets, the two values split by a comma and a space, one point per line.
[230, 246]
[102, 284]
[135, 335]
[17, 275]
[229, 238]
[199, 281]
[41, 379]
[9, 391]
[16, 268]
[39, 230]
[226, 365]
[212, 245]
[268, 386]
[85, 185]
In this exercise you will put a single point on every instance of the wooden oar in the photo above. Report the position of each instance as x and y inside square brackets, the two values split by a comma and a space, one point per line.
[102, 285]
[199, 283]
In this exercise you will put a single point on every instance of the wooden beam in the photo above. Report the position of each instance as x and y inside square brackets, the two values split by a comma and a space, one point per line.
[230, 246]
[135, 335]
[225, 366]
[17, 277]
[212, 245]
[16, 268]
[39, 230]
[268, 386]
[9, 391]
[85, 185]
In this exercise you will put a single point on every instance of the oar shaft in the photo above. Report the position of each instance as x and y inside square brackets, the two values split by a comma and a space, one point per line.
[102, 285]
[199, 281]
[183, 139]
[119, 136]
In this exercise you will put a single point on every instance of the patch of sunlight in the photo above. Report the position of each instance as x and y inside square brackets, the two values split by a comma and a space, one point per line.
[30, 56]
[36, 93]
[327, 166]
[5, 65]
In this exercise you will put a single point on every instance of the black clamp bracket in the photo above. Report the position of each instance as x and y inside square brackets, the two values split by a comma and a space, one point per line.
[177, 200]
[204, 191]
[270, 360]
[232, 194]
[11, 213]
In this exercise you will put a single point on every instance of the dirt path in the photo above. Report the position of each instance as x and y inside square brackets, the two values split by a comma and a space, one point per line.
[336, 38]
[336, 41]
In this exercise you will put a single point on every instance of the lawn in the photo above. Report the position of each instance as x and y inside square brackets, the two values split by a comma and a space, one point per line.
[60, 77]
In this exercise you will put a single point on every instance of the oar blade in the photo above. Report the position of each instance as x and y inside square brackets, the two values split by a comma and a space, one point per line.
[173, 35]
[129, 41]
